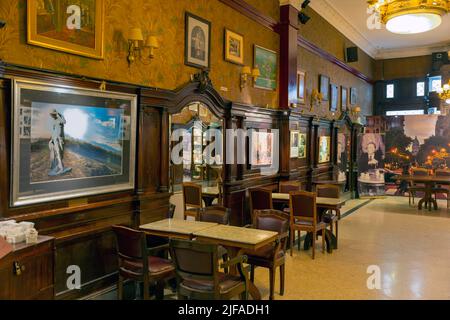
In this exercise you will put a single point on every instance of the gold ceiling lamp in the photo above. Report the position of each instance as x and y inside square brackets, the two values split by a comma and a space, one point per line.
[410, 16]
[444, 92]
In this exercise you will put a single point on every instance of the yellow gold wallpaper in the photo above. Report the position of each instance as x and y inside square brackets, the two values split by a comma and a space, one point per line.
[162, 18]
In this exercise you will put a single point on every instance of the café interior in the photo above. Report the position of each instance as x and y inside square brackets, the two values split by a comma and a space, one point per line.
[224, 149]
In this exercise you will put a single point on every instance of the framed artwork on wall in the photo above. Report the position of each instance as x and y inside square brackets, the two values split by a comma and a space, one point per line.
[324, 87]
[197, 41]
[77, 142]
[302, 146]
[344, 98]
[324, 149]
[353, 96]
[294, 143]
[73, 26]
[261, 150]
[301, 86]
[334, 101]
[234, 47]
[266, 61]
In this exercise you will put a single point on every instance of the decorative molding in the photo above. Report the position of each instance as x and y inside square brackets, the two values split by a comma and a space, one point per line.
[302, 42]
[251, 12]
[327, 11]
[412, 51]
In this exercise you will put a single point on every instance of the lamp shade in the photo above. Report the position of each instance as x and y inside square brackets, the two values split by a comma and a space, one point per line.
[255, 73]
[135, 34]
[152, 42]
[246, 70]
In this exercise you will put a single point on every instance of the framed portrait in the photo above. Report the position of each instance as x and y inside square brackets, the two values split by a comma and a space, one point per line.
[294, 143]
[301, 86]
[344, 98]
[266, 61]
[324, 87]
[353, 96]
[197, 41]
[324, 149]
[75, 142]
[334, 97]
[73, 26]
[261, 150]
[302, 145]
[234, 47]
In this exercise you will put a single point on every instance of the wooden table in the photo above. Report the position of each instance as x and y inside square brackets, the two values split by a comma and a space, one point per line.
[236, 240]
[209, 194]
[429, 182]
[328, 203]
[174, 228]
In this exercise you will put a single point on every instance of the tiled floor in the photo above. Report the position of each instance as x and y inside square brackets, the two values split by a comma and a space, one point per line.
[411, 248]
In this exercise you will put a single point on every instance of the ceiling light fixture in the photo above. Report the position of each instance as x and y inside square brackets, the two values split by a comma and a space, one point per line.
[444, 92]
[410, 16]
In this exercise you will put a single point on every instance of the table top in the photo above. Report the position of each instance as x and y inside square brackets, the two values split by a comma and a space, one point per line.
[176, 226]
[335, 182]
[210, 191]
[319, 200]
[237, 236]
[437, 179]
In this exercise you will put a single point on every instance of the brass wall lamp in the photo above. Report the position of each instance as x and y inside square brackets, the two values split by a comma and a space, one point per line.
[246, 73]
[140, 50]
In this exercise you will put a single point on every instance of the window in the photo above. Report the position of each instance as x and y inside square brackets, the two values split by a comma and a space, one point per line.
[420, 89]
[404, 112]
[435, 83]
[390, 91]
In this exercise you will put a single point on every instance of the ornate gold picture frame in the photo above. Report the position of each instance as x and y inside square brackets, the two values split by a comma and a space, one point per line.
[72, 26]
[234, 47]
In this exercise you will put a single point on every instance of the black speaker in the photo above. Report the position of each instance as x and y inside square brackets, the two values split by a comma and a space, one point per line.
[351, 54]
[439, 59]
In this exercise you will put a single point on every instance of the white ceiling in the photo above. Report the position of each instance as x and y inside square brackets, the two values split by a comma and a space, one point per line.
[350, 18]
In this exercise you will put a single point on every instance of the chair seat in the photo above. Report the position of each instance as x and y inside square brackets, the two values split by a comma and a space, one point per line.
[191, 212]
[156, 266]
[308, 223]
[266, 252]
[227, 283]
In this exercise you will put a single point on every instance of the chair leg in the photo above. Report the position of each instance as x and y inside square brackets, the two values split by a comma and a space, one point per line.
[337, 232]
[314, 236]
[120, 288]
[282, 274]
[323, 240]
[252, 273]
[292, 239]
[225, 258]
[272, 282]
[160, 290]
[299, 235]
[146, 289]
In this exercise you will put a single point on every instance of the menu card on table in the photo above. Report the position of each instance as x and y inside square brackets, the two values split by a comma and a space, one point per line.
[5, 248]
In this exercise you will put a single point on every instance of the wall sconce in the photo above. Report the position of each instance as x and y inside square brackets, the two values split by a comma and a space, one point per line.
[316, 98]
[356, 110]
[246, 72]
[135, 48]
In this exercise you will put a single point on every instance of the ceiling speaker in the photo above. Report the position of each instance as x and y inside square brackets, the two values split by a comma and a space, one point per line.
[439, 59]
[351, 54]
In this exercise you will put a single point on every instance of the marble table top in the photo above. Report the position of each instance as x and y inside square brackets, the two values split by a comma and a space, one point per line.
[210, 191]
[176, 226]
[319, 200]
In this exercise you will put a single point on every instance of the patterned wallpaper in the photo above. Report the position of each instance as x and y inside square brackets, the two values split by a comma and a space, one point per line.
[162, 18]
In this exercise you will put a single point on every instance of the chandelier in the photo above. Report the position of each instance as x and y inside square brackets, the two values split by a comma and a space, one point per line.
[410, 16]
[444, 92]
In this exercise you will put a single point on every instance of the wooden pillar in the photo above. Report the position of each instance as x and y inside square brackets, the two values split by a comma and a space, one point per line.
[285, 144]
[165, 143]
[288, 30]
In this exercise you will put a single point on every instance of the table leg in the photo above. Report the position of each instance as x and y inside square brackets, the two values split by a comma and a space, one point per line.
[428, 198]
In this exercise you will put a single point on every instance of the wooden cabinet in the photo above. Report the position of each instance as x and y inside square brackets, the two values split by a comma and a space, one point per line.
[27, 272]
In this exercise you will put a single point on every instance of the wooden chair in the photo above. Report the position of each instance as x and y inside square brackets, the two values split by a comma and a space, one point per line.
[304, 217]
[331, 191]
[137, 263]
[192, 199]
[288, 186]
[198, 275]
[260, 199]
[441, 189]
[272, 255]
[413, 187]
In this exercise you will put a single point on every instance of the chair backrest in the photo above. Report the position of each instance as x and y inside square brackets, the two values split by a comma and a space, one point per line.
[419, 172]
[303, 205]
[217, 214]
[131, 248]
[271, 220]
[195, 260]
[288, 186]
[260, 199]
[328, 191]
[443, 173]
[192, 195]
[171, 211]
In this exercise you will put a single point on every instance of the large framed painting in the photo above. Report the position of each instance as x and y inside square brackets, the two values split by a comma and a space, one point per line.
[73, 26]
[70, 142]
[334, 100]
[324, 87]
[353, 96]
[324, 149]
[294, 143]
[344, 98]
[301, 86]
[266, 61]
[197, 41]
[302, 146]
[234, 47]
[261, 150]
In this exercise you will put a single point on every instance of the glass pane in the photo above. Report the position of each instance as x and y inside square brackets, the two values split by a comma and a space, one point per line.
[420, 89]
[390, 91]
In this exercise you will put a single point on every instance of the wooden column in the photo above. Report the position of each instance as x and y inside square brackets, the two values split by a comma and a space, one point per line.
[285, 143]
[165, 143]
[288, 30]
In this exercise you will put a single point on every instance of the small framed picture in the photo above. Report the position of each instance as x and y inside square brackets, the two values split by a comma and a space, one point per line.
[234, 47]
[334, 97]
[294, 143]
[353, 96]
[302, 146]
[324, 87]
[344, 98]
[301, 86]
[197, 41]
